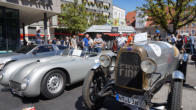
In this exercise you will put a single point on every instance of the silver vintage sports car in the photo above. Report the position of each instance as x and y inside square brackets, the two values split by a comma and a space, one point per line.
[31, 51]
[49, 76]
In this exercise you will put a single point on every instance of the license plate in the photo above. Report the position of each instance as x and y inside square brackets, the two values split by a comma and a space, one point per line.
[128, 100]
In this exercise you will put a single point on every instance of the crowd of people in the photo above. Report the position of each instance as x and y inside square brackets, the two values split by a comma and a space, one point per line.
[87, 43]
[184, 42]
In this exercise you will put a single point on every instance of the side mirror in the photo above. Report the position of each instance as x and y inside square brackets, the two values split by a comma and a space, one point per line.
[34, 52]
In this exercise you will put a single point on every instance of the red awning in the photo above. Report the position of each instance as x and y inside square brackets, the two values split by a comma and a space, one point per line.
[81, 34]
[117, 34]
[30, 35]
[67, 34]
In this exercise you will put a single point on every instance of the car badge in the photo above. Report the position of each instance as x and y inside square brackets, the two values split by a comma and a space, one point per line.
[129, 48]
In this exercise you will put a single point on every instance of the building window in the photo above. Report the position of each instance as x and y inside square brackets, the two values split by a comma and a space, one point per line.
[9, 29]
[115, 14]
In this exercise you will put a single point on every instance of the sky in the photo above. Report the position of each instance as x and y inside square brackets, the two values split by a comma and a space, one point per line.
[128, 5]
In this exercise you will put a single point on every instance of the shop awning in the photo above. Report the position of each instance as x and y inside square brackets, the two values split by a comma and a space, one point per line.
[107, 29]
[117, 34]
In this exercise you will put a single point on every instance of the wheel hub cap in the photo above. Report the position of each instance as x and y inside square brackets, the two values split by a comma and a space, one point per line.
[55, 83]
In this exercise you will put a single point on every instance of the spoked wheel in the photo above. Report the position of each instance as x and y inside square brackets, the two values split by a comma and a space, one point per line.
[93, 84]
[53, 84]
[175, 95]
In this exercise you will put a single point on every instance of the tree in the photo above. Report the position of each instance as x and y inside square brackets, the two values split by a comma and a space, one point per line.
[175, 13]
[97, 19]
[74, 17]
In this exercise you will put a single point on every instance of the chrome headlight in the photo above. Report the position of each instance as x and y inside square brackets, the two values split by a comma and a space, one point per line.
[105, 60]
[1, 76]
[25, 83]
[112, 65]
[148, 66]
[1, 66]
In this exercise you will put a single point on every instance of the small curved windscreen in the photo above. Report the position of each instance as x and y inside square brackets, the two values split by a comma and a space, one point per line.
[79, 53]
[74, 52]
[61, 47]
[25, 49]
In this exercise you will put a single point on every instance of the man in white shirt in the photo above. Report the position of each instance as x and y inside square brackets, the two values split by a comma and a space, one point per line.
[121, 41]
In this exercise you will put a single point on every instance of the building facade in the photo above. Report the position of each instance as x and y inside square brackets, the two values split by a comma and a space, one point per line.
[118, 16]
[15, 14]
[142, 25]
[96, 6]
[140, 22]
[190, 29]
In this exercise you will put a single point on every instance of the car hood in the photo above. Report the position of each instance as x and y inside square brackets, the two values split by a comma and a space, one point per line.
[41, 63]
[10, 56]
[13, 68]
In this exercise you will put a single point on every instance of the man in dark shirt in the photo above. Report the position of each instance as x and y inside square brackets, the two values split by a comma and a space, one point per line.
[54, 40]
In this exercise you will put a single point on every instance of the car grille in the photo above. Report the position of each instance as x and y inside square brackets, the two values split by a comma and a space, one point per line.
[129, 73]
[15, 85]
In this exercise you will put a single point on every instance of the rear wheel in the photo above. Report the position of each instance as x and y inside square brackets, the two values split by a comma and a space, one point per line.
[93, 84]
[53, 84]
[175, 96]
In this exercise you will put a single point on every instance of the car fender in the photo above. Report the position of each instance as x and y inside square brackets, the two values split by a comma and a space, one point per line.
[35, 79]
[178, 75]
[96, 66]
[185, 57]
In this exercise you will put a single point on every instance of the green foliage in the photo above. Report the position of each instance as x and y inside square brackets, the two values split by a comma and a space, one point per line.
[74, 17]
[97, 19]
[166, 12]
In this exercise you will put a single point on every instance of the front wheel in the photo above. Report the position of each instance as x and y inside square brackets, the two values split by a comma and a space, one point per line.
[53, 84]
[175, 96]
[91, 87]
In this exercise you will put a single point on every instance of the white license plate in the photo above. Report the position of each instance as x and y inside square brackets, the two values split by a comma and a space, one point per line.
[128, 100]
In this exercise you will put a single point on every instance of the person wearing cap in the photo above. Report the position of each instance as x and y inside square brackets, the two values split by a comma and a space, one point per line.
[157, 36]
[121, 41]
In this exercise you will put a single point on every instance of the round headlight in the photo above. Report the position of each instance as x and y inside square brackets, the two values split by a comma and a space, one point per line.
[105, 60]
[25, 83]
[1, 76]
[1, 66]
[148, 66]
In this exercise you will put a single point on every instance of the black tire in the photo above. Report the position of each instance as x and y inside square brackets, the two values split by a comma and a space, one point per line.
[97, 102]
[175, 95]
[45, 92]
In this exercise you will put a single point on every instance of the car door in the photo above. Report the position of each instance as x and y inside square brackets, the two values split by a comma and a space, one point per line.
[88, 62]
[44, 51]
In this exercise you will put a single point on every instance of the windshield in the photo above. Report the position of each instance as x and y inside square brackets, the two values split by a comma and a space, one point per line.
[76, 52]
[25, 49]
